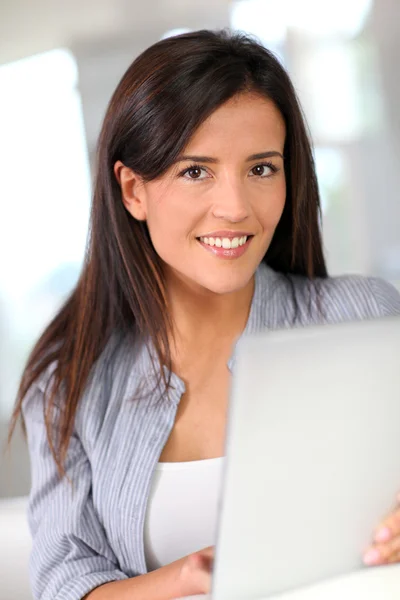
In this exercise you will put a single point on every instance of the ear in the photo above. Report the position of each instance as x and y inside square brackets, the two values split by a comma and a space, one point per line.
[132, 191]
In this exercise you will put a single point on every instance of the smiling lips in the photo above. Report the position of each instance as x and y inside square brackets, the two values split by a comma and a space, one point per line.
[226, 244]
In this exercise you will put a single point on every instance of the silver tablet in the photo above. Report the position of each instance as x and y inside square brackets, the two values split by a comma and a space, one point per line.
[313, 455]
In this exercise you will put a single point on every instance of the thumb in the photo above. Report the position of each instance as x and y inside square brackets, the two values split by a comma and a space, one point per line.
[204, 560]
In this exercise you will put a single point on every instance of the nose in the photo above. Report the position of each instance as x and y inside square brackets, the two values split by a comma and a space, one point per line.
[231, 204]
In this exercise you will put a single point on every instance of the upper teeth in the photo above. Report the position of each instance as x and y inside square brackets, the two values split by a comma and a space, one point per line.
[224, 242]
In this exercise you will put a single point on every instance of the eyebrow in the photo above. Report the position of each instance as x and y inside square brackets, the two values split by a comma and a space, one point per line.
[210, 159]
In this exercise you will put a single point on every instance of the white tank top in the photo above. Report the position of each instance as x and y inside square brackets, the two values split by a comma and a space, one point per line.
[182, 510]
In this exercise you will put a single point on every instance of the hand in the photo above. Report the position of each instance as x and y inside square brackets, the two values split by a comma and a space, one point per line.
[386, 545]
[195, 575]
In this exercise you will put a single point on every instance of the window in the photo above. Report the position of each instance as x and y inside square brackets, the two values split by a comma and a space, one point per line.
[44, 200]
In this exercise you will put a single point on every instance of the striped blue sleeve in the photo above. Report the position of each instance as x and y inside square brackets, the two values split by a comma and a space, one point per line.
[350, 297]
[71, 555]
[386, 295]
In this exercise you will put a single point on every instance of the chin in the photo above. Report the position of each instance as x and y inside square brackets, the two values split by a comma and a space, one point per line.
[202, 279]
[228, 284]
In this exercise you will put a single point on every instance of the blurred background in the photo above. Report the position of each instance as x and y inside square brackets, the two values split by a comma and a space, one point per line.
[59, 64]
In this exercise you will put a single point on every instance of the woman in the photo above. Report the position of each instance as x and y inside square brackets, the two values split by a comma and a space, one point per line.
[205, 222]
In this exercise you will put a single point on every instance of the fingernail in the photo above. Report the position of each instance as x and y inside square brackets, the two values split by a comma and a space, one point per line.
[383, 535]
[371, 557]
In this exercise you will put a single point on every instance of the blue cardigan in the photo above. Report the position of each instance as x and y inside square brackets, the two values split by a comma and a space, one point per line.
[91, 532]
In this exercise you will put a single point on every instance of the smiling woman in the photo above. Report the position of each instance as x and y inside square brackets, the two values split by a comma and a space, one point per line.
[224, 178]
[204, 227]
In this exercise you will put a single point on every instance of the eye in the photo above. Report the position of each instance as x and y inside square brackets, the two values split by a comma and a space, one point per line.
[194, 172]
[263, 170]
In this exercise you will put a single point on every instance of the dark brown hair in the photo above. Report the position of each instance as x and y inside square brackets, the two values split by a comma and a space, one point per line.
[167, 92]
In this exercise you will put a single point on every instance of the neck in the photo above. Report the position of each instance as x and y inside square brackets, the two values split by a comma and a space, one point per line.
[201, 317]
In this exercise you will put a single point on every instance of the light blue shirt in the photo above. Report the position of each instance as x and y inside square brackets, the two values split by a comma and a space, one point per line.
[91, 533]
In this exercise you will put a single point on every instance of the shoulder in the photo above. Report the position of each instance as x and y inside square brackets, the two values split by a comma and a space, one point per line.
[349, 297]
[289, 300]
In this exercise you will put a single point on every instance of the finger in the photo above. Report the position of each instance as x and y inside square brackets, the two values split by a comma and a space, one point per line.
[194, 560]
[372, 557]
[394, 545]
[208, 551]
[204, 581]
[379, 554]
[388, 528]
[203, 558]
[201, 571]
[395, 558]
[207, 562]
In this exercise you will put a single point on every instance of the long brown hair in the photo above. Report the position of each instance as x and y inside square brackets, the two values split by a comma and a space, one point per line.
[167, 92]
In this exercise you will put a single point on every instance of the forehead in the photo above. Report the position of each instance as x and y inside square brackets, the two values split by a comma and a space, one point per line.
[245, 121]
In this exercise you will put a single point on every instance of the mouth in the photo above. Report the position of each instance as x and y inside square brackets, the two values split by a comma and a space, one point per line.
[226, 247]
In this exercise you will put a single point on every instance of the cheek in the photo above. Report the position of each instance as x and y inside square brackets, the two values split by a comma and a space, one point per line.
[171, 221]
[271, 209]
[162, 229]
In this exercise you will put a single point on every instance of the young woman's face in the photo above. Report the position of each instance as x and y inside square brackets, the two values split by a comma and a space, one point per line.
[212, 216]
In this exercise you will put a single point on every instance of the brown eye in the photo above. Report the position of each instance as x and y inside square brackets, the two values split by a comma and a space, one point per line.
[263, 170]
[259, 170]
[194, 173]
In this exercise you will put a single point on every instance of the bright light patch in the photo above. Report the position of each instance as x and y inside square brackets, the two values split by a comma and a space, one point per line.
[45, 182]
[270, 19]
[173, 32]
